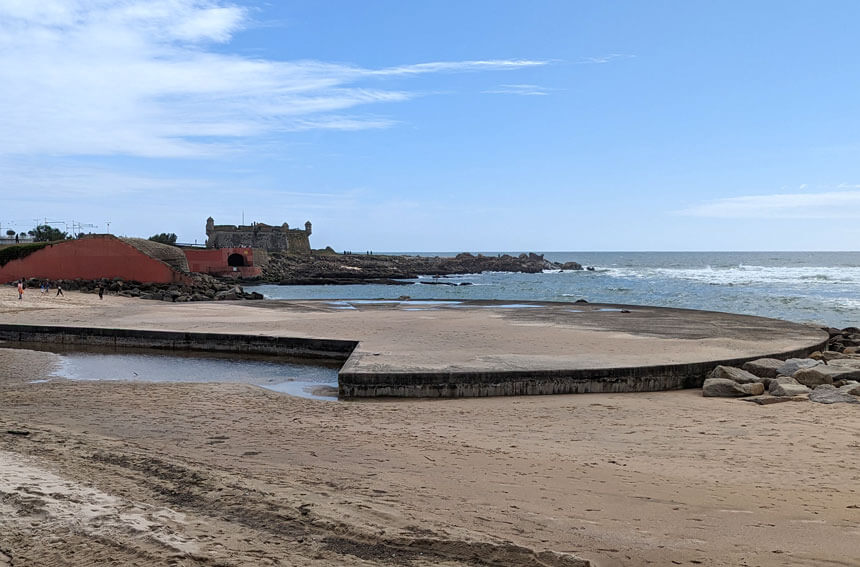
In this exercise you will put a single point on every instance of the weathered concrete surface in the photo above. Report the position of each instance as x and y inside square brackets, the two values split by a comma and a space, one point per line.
[480, 348]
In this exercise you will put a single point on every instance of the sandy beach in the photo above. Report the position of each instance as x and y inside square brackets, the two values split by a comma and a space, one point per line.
[119, 473]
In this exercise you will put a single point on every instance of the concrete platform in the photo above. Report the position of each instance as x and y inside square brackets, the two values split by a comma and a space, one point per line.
[482, 348]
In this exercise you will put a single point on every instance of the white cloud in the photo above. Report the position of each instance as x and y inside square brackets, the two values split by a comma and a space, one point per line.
[519, 89]
[824, 205]
[601, 59]
[134, 77]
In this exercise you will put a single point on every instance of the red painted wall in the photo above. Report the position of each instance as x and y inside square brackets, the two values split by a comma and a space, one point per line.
[214, 261]
[91, 258]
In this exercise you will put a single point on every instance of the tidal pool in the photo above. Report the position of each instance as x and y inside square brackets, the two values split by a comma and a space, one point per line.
[310, 379]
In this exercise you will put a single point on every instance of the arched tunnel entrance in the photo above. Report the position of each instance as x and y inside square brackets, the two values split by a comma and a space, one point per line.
[235, 260]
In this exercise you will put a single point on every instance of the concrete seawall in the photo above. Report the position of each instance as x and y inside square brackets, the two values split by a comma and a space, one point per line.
[357, 384]
[334, 350]
[451, 349]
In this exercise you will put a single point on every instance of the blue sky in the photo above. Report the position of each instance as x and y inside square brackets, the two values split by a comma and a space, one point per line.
[438, 126]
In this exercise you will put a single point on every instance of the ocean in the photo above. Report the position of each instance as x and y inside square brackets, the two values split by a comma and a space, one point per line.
[805, 287]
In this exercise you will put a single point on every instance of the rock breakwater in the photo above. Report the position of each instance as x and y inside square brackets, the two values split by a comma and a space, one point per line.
[322, 267]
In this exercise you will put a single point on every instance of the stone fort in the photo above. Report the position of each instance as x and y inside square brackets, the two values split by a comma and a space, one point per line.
[260, 236]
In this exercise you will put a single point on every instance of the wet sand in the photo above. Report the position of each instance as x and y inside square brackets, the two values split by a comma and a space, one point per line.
[220, 474]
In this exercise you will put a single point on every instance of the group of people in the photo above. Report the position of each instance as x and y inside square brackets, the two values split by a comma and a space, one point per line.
[45, 287]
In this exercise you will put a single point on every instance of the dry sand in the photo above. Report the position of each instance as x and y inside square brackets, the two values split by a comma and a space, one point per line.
[220, 474]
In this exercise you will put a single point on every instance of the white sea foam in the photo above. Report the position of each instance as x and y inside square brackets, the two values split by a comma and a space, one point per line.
[749, 275]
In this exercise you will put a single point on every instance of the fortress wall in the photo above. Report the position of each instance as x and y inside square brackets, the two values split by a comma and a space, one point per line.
[91, 258]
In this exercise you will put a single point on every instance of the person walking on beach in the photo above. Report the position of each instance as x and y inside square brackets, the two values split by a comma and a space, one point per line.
[101, 291]
[60, 290]
[20, 289]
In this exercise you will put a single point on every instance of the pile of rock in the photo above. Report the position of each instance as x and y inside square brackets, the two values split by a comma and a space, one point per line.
[204, 288]
[825, 377]
[845, 340]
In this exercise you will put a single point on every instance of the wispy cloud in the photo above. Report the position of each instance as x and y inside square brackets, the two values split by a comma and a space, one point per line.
[601, 59]
[140, 78]
[821, 205]
[520, 89]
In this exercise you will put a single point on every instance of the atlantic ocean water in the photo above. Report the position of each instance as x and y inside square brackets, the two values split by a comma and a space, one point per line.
[804, 287]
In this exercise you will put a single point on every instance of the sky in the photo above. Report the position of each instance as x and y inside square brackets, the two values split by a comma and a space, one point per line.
[437, 125]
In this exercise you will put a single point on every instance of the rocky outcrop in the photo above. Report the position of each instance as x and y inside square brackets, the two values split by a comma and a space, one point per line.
[328, 267]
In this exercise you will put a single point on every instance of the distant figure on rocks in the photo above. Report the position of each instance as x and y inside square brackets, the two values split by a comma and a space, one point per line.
[101, 291]
[20, 290]
[60, 291]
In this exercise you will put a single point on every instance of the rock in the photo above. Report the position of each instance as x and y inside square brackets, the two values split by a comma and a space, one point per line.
[726, 388]
[735, 374]
[763, 367]
[768, 400]
[852, 388]
[818, 375]
[229, 294]
[792, 365]
[829, 355]
[847, 361]
[851, 350]
[827, 394]
[786, 386]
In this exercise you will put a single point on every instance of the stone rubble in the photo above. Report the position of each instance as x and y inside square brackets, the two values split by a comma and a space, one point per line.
[828, 377]
[204, 288]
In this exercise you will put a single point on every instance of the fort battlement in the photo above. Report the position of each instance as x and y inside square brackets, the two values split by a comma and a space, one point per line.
[260, 236]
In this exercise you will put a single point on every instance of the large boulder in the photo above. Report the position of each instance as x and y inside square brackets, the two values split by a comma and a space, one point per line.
[792, 365]
[786, 386]
[827, 394]
[726, 388]
[763, 367]
[818, 375]
[734, 374]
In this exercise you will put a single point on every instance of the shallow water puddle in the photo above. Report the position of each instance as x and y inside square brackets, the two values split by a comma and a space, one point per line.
[294, 378]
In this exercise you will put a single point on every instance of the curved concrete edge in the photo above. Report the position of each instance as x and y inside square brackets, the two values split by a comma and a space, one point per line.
[327, 349]
[352, 384]
[358, 384]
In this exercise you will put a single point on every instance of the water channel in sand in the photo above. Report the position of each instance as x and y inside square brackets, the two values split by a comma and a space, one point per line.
[296, 377]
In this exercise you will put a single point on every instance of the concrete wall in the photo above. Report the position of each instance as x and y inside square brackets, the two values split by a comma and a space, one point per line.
[327, 349]
[214, 261]
[90, 258]
[354, 383]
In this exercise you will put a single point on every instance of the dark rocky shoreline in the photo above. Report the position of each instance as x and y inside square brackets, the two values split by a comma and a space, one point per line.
[204, 288]
[319, 267]
[324, 267]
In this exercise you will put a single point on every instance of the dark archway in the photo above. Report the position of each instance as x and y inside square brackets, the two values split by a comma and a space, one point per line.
[235, 260]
